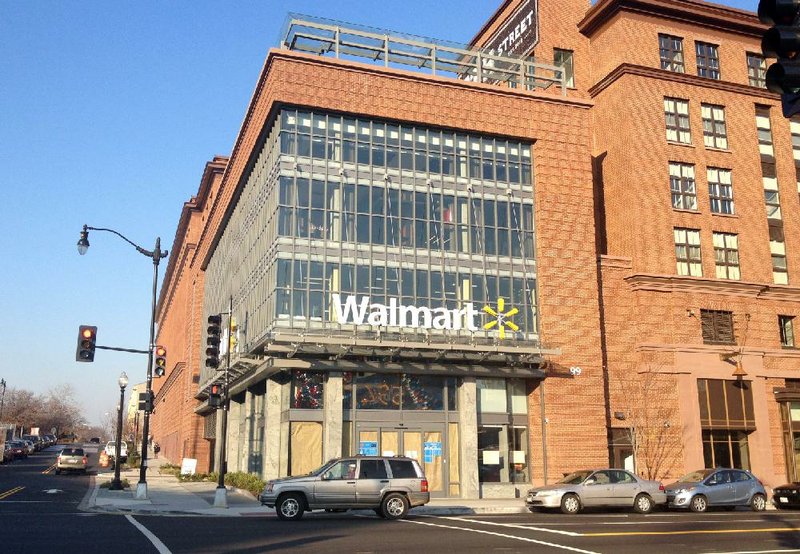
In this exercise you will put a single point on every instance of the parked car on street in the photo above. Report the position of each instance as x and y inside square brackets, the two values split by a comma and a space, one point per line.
[598, 487]
[19, 449]
[706, 488]
[388, 485]
[94, 440]
[72, 459]
[36, 440]
[786, 496]
[30, 448]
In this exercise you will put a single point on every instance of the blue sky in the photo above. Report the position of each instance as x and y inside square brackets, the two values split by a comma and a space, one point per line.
[108, 113]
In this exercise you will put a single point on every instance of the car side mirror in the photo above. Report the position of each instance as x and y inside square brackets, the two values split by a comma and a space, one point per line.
[591, 481]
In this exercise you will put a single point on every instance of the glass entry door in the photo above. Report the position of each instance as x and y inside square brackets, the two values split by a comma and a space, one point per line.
[424, 445]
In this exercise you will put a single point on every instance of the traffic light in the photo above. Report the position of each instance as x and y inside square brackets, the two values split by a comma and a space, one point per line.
[146, 402]
[87, 339]
[215, 396]
[782, 41]
[160, 361]
[213, 340]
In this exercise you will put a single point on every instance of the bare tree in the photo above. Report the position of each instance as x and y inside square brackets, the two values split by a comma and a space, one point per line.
[649, 414]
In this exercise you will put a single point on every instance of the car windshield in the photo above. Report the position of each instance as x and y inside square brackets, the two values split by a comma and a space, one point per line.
[575, 478]
[695, 476]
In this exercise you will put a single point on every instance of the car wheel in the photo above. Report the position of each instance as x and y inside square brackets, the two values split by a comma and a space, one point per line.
[394, 506]
[758, 503]
[643, 504]
[290, 507]
[698, 503]
[570, 504]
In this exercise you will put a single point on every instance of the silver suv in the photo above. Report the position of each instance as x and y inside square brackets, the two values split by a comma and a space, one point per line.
[389, 485]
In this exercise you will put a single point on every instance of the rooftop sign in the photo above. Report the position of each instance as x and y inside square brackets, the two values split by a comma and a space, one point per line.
[519, 34]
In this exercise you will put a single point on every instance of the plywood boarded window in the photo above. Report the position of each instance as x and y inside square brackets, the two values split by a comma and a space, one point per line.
[717, 327]
[305, 447]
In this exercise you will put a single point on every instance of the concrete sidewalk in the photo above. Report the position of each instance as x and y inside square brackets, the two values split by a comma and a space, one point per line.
[168, 496]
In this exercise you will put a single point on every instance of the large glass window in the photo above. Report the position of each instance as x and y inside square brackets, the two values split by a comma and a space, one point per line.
[503, 454]
[726, 449]
[373, 391]
[307, 390]
[409, 148]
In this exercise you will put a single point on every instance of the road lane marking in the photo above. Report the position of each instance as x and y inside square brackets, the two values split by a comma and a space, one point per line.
[503, 535]
[524, 526]
[694, 532]
[160, 546]
[49, 469]
[8, 493]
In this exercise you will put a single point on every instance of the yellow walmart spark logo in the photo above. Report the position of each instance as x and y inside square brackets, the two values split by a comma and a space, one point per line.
[501, 319]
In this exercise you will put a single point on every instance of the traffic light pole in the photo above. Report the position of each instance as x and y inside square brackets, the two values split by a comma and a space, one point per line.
[156, 254]
[141, 486]
[221, 494]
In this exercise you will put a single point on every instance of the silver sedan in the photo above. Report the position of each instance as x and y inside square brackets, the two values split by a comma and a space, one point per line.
[598, 487]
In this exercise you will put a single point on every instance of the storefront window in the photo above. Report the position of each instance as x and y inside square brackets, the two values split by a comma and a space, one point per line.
[503, 454]
[423, 392]
[491, 395]
[413, 393]
[378, 391]
[307, 390]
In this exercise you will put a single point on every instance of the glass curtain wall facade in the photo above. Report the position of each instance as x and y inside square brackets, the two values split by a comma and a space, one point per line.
[339, 209]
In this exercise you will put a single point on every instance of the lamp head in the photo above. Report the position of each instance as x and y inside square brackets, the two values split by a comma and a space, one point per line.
[123, 380]
[83, 242]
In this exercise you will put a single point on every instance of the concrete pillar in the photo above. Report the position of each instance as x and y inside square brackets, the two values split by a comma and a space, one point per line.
[468, 427]
[247, 441]
[272, 431]
[332, 417]
[234, 436]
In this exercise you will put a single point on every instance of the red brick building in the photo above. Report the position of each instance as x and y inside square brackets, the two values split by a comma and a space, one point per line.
[380, 195]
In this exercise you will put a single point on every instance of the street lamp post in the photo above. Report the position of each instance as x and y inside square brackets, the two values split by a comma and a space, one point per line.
[116, 484]
[156, 255]
[2, 398]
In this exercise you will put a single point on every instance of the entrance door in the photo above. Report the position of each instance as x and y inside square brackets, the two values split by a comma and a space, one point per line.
[424, 445]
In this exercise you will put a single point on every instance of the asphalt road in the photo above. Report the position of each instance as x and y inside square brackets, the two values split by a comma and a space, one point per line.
[40, 512]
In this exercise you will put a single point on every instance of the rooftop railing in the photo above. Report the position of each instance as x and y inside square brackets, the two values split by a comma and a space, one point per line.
[435, 57]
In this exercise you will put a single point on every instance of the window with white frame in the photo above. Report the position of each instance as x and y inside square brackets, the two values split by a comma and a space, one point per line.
[687, 252]
[720, 190]
[676, 114]
[715, 133]
[682, 186]
[726, 254]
